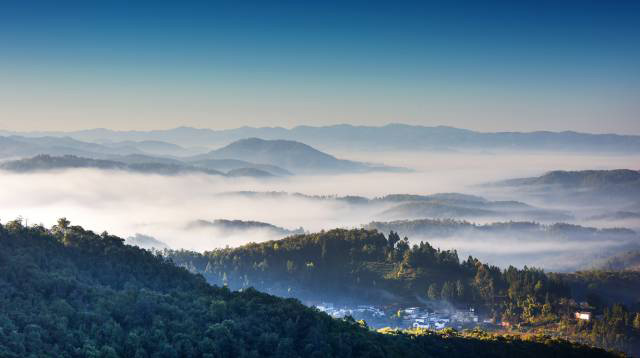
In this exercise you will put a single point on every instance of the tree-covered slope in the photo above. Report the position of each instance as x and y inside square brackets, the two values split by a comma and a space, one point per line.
[364, 266]
[67, 292]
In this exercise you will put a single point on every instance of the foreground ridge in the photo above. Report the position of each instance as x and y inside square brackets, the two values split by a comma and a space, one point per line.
[70, 292]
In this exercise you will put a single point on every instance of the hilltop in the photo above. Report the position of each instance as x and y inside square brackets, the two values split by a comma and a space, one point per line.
[287, 154]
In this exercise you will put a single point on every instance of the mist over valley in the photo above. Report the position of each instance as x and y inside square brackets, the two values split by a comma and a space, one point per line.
[319, 179]
[145, 188]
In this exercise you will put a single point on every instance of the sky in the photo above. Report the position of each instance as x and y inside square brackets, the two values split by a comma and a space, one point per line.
[482, 65]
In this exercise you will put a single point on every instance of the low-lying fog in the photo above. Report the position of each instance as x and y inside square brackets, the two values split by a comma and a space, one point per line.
[163, 206]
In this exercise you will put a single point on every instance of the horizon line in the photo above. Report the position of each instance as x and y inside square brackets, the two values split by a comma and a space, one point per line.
[167, 129]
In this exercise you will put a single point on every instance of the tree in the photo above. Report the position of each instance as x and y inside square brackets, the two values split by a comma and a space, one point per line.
[448, 291]
[484, 283]
[636, 321]
[433, 292]
[393, 239]
[62, 226]
[460, 290]
[291, 266]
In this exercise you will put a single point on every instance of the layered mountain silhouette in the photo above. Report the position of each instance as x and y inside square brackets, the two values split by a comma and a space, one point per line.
[137, 164]
[605, 185]
[234, 227]
[246, 157]
[388, 137]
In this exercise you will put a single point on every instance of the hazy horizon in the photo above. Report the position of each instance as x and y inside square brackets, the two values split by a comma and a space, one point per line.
[382, 125]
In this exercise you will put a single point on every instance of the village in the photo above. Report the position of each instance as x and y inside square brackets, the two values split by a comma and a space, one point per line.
[434, 317]
[406, 318]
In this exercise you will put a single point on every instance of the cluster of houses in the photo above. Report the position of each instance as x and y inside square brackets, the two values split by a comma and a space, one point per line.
[360, 311]
[424, 318]
[416, 317]
[412, 317]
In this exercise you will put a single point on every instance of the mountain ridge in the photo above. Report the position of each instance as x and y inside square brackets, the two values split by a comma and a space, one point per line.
[394, 136]
[142, 164]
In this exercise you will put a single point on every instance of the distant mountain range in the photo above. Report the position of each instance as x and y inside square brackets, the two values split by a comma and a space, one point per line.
[618, 215]
[489, 209]
[389, 137]
[443, 228]
[628, 261]
[440, 205]
[581, 179]
[234, 227]
[45, 162]
[246, 157]
[151, 147]
[145, 242]
[558, 246]
[585, 185]
[19, 147]
[235, 164]
[454, 205]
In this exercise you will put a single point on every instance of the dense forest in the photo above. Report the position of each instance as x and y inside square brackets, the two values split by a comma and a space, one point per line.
[365, 266]
[69, 292]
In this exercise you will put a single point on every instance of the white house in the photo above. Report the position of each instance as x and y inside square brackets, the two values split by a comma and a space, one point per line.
[585, 316]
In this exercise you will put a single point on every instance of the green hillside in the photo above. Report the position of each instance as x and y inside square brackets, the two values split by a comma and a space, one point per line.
[363, 266]
[67, 292]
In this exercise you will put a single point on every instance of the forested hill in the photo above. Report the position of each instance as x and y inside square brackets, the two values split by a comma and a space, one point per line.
[363, 266]
[68, 292]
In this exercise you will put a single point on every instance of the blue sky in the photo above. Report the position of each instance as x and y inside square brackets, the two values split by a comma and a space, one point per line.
[482, 65]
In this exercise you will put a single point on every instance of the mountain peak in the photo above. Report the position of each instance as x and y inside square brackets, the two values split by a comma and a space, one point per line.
[288, 154]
